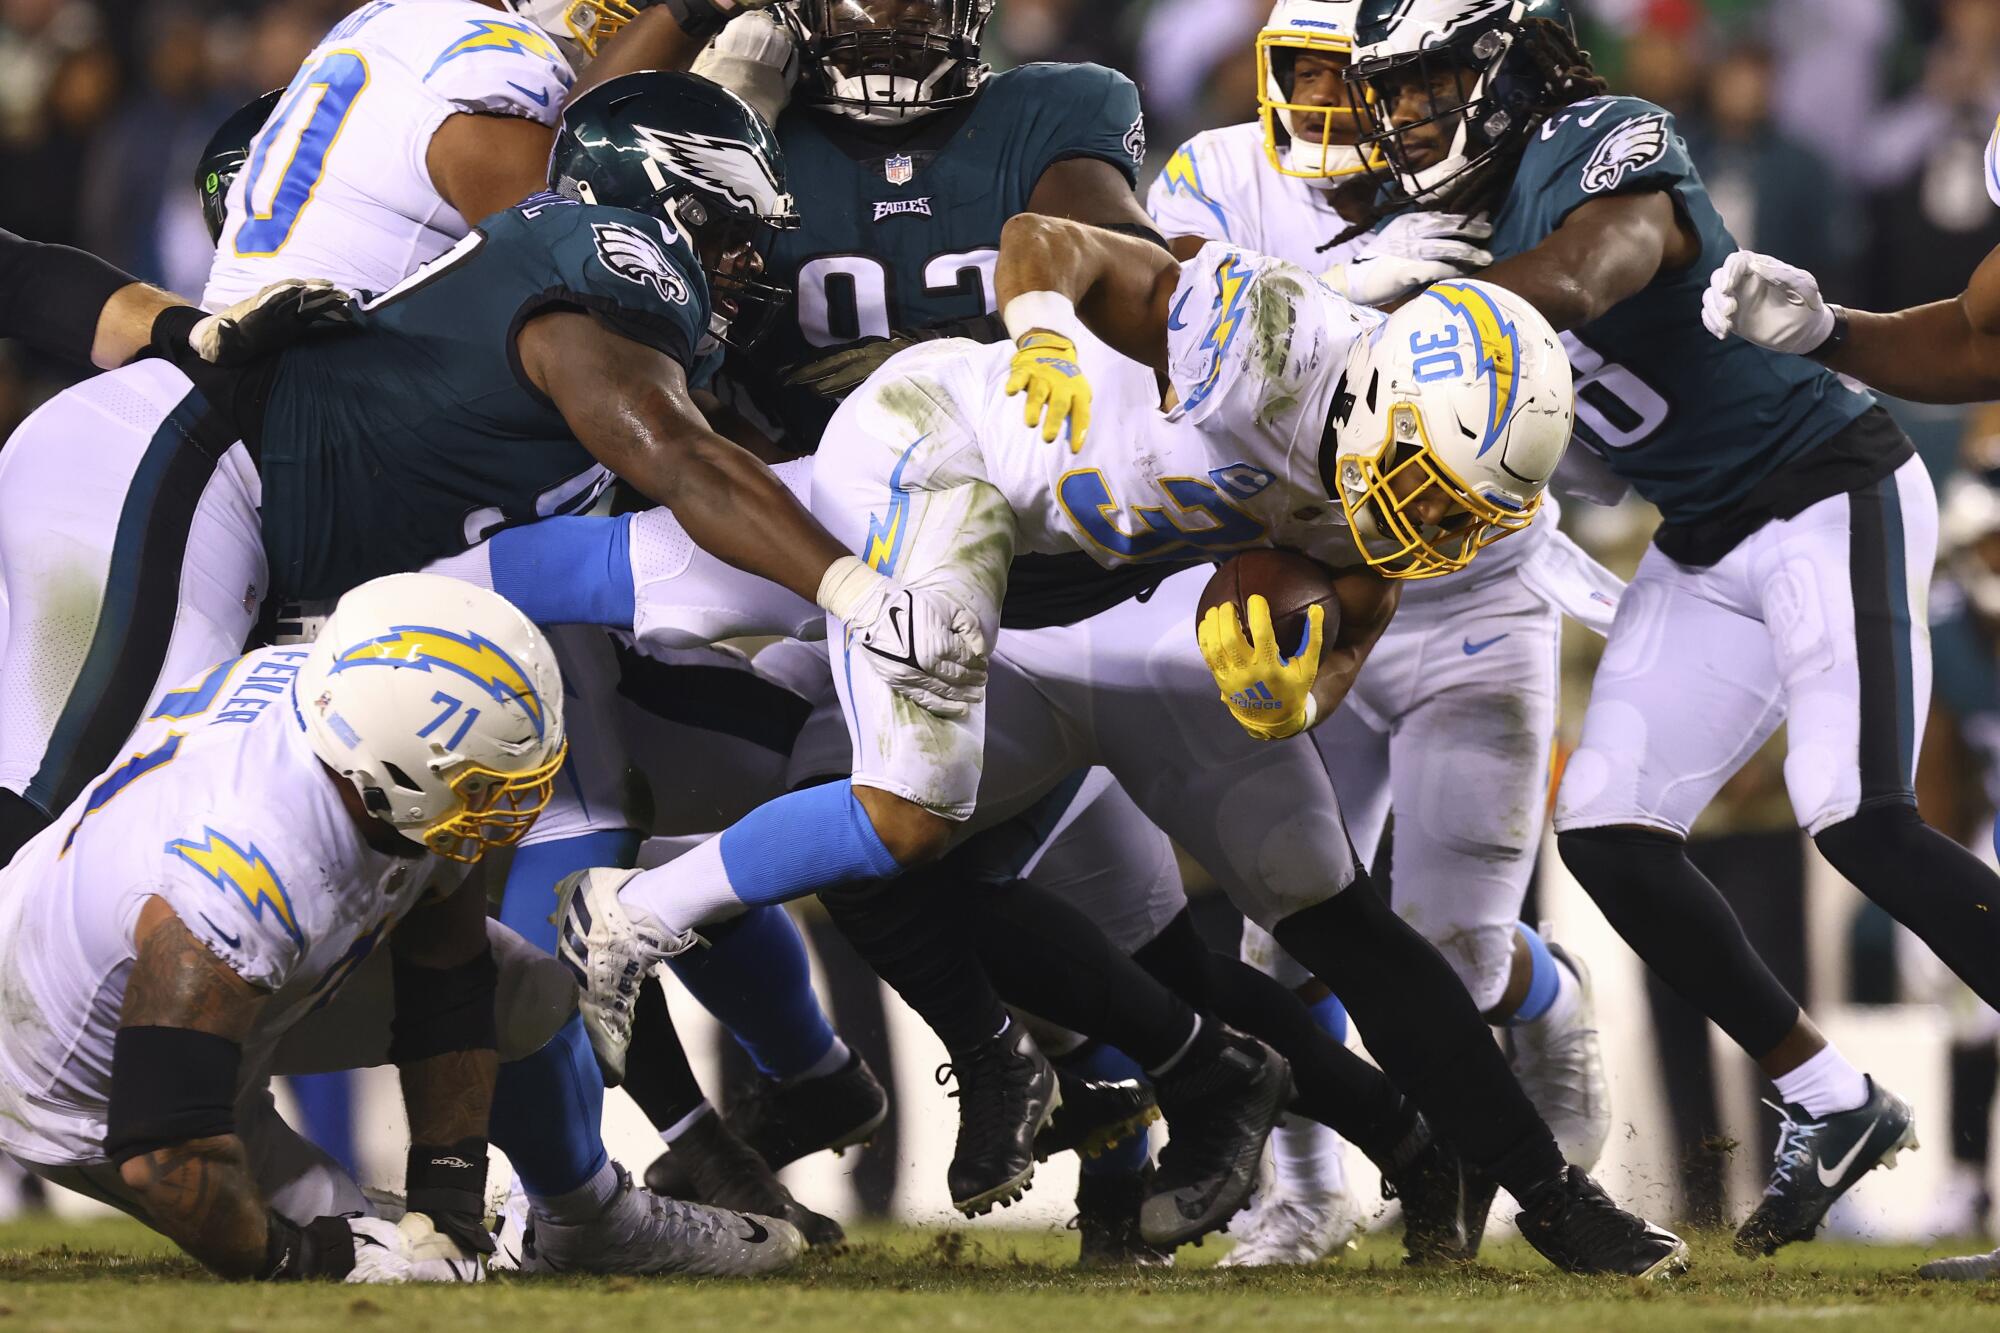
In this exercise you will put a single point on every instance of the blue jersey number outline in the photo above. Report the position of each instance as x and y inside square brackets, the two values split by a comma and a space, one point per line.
[1086, 498]
[339, 79]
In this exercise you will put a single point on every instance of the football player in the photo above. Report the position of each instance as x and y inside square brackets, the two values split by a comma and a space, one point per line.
[1782, 585]
[932, 471]
[211, 911]
[1483, 642]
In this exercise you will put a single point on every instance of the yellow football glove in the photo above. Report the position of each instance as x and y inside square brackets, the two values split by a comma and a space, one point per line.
[1046, 367]
[1270, 695]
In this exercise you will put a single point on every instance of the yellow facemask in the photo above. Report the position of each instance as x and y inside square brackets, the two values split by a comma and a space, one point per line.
[1379, 491]
[1309, 159]
[496, 810]
[591, 21]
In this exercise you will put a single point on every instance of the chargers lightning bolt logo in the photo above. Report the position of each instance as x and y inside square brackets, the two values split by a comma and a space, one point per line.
[1232, 280]
[245, 873]
[498, 35]
[885, 535]
[1499, 351]
[472, 656]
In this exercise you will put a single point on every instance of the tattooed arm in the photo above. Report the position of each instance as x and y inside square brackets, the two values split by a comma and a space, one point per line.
[200, 1191]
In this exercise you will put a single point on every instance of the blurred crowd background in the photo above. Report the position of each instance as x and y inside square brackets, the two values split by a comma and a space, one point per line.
[1845, 136]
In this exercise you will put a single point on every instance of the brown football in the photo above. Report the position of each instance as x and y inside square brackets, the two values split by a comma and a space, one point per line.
[1290, 582]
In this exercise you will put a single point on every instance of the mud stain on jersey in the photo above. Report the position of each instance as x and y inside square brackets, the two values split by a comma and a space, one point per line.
[60, 615]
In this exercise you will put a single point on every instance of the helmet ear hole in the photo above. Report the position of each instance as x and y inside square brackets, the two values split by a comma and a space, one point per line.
[376, 802]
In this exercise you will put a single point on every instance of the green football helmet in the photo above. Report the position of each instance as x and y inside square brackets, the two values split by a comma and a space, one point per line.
[228, 149]
[696, 156]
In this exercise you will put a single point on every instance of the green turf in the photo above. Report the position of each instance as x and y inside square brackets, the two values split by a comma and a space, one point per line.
[115, 1275]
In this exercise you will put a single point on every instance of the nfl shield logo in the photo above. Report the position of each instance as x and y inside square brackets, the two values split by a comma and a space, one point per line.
[899, 169]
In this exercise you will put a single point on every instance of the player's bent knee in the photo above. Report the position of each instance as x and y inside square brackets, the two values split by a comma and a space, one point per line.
[1874, 839]
[1604, 859]
[534, 997]
[912, 835]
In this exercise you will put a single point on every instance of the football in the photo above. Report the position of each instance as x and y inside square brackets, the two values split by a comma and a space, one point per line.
[1290, 582]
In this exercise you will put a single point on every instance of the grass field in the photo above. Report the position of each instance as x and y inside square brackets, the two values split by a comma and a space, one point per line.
[115, 1275]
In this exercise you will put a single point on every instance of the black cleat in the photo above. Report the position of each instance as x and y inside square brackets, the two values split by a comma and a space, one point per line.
[1107, 1219]
[1819, 1160]
[1096, 1114]
[1219, 1115]
[1574, 1225]
[1006, 1094]
[787, 1121]
[710, 1164]
[1445, 1199]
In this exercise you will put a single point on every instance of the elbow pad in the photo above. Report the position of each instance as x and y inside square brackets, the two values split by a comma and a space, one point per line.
[169, 1085]
[444, 1009]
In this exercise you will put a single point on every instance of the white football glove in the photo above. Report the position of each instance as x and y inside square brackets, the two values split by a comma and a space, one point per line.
[931, 650]
[1410, 253]
[412, 1250]
[275, 318]
[1767, 302]
[756, 58]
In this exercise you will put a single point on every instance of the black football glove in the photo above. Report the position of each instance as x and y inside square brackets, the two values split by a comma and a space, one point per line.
[277, 317]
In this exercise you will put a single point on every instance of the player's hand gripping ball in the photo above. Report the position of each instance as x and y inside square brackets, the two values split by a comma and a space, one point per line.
[1269, 693]
[1045, 365]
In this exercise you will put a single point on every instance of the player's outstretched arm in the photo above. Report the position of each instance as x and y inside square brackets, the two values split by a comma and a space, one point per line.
[1944, 352]
[628, 404]
[1119, 286]
[173, 1093]
[1604, 251]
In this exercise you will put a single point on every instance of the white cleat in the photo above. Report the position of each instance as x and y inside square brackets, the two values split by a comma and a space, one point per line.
[1965, 1268]
[644, 1233]
[1561, 1068]
[610, 953]
[1295, 1231]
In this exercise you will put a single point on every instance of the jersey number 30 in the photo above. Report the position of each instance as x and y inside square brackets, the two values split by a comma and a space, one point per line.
[289, 153]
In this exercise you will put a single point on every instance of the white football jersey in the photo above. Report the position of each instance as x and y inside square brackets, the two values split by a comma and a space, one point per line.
[1256, 347]
[337, 186]
[1220, 184]
[224, 811]
[1993, 163]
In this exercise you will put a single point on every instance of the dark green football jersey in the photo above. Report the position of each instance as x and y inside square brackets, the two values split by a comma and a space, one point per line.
[419, 434]
[1691, 422]
[902, 232]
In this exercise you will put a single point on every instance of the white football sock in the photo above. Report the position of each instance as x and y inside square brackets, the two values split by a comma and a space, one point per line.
[686, 893]
[1824, 1084]
[830, 1063]
[1310, 1158]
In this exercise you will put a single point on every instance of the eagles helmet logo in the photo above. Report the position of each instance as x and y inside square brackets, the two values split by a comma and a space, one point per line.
[639, 258]
[728, 168]
[1634, 144]
[1135, 140]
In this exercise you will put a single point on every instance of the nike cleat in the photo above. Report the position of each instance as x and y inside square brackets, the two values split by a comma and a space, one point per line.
[610, 953]
[640, 1232]
[1006, 1093]
[1561, 1068]
[1107, 1221]
[709, 1164]
[787, 1121]
[1096, 1114]
[1573, 1224]
[1445, 1200]
[1820, 1160]
[1219, 1116]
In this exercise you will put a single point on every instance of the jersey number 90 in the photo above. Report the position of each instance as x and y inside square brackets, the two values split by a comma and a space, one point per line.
[288, 155]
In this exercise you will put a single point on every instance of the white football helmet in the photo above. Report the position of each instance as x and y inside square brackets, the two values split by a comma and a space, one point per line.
[1968, 515]
[1465, 389]
[1308, 150]
[442, 704]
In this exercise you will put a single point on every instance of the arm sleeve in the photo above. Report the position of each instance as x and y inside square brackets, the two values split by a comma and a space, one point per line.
[233, 894]
[1605, 146]
[1088, 111]
[1183, 200]
[52, 295]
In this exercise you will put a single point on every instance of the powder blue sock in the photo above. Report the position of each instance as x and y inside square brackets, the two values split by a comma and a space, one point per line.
[547, 1111]
[530, 897]
[567, 571]
[1096, 1060]
[1330, 1016]
[326, 1104]
[755, 979]
[1544, 978]
[802, 842]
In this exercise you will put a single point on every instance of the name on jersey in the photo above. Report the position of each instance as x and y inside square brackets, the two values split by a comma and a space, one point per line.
[889, 208]
[261, 686]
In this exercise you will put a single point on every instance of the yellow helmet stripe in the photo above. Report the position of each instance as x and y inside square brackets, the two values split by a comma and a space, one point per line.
[472, 656]
[1499, 351]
